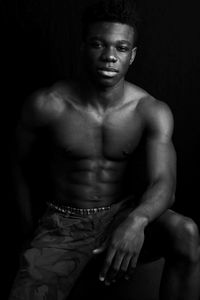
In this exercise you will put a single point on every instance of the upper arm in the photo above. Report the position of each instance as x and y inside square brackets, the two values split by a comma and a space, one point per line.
[160, 149]
[31, 119]
[42, 108]
[25, 133]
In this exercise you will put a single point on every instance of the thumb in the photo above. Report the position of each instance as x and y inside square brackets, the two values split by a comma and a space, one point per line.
[99, 250]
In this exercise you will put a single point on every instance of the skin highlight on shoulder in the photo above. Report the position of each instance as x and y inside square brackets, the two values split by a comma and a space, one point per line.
[158, 117]
[46, 105]
[49, 103]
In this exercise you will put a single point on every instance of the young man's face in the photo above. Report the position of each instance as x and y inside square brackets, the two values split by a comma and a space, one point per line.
[108, 52]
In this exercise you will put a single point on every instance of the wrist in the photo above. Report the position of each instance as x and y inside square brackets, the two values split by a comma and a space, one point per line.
[139, 219]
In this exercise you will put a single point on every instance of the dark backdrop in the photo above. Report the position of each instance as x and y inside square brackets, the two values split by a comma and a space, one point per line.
[40, 42]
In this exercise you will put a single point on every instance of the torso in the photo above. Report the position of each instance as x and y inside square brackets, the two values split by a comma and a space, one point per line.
[90, 152]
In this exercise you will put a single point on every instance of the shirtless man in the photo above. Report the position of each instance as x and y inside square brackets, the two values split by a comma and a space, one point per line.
[94, 126]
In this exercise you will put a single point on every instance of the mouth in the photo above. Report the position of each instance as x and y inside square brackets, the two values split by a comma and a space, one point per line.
[107, 72]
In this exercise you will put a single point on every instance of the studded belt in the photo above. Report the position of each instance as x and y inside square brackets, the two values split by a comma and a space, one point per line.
[74, 210]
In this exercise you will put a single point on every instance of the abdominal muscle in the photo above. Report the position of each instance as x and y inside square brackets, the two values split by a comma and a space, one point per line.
[89, 183]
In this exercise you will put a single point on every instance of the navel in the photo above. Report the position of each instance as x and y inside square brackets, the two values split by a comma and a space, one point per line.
[96, 197]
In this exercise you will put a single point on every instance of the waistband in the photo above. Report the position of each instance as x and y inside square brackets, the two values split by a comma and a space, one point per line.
[74, 210]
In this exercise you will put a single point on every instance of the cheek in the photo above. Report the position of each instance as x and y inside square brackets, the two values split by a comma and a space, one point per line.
[125, 62]
[90, 60]
[93, 55]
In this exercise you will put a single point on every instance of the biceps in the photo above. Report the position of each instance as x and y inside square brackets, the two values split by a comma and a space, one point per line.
[161, 160]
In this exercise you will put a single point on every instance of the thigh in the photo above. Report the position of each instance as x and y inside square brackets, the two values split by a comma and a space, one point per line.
[54, 260]
[160, 236]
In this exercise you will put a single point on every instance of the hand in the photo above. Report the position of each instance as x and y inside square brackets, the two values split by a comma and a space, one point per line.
[122, 251]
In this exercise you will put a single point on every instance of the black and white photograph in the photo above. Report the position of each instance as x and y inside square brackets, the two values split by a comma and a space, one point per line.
[101, 145]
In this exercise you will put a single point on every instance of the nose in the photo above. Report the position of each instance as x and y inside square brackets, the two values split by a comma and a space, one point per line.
[109, 55]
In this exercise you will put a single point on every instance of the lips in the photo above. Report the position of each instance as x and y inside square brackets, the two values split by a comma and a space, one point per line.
[107, 72]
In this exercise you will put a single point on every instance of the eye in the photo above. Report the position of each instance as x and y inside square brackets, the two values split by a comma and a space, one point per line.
[96, 44]
[122, 48]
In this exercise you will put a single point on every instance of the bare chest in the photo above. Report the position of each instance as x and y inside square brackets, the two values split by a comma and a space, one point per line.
[85, 135]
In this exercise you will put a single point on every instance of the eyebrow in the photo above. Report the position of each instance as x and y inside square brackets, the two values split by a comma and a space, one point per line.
[103, 40]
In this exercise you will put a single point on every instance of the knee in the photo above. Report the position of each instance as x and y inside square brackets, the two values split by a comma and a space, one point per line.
[187, 240]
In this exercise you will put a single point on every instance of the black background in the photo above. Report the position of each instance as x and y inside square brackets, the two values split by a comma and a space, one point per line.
[40, 42]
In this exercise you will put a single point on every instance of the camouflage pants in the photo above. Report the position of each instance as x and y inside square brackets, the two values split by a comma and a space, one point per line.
[61, 248]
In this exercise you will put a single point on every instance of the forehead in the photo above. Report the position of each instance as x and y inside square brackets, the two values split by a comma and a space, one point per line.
[111, 31]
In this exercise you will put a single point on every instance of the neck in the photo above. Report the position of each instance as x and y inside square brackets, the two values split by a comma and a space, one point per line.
[102, 97]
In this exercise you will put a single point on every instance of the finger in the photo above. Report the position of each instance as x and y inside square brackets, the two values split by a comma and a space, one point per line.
[131, 267]
[125, 263]
[100, 249]
[124, 267]
[115, 267]
[107, 264]
[117, 261]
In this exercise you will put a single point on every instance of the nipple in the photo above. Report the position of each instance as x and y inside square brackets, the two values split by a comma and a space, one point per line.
[125, 152]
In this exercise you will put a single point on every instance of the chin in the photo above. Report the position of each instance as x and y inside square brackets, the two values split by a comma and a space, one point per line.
[106, 81]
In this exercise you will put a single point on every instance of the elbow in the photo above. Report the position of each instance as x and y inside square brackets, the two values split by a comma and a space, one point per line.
[171, 191]
[172, 200]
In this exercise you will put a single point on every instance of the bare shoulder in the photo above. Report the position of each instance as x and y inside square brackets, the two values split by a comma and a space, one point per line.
[158, 118]
[134, 93]
[46, 105]
[156, 114]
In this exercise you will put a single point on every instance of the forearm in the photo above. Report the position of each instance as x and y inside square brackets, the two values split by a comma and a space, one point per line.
[158, 197]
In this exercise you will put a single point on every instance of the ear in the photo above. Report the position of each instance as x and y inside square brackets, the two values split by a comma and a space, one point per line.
[133, 54]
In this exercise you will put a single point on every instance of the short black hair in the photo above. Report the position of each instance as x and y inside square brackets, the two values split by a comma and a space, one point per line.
[119, 11]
